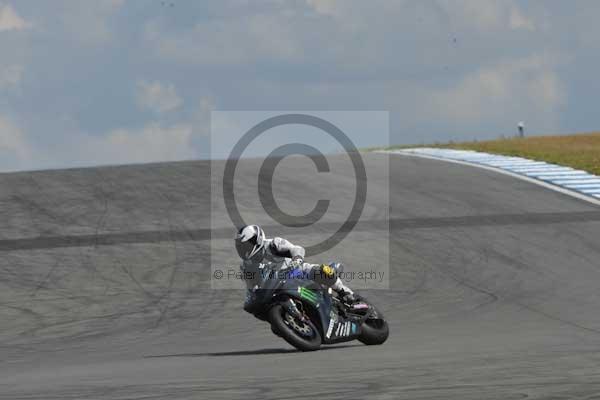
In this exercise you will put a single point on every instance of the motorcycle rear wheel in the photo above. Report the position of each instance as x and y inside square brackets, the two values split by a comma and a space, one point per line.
[374, 332]
[310, 342]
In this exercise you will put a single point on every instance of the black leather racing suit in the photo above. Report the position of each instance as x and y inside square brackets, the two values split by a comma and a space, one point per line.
[278, 250]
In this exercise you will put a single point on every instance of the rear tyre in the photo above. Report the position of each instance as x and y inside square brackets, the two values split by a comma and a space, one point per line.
[303, 335]
[374, 332]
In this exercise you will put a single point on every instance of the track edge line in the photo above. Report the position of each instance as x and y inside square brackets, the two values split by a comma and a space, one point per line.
[538, 182]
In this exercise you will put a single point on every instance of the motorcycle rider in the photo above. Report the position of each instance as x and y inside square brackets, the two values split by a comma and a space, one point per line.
[255, 250]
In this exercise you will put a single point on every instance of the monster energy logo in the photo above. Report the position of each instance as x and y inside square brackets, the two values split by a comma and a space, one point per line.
[308, 294]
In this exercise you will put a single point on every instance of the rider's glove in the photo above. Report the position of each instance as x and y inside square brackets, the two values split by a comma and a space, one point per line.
[297, 261]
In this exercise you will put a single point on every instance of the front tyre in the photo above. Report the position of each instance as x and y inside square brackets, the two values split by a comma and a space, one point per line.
[374, 332]
[303, 335]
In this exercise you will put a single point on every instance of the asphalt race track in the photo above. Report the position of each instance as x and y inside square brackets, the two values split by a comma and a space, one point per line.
[105, 288]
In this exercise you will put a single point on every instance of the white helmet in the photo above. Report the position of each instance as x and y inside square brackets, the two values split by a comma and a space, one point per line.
[249, 243]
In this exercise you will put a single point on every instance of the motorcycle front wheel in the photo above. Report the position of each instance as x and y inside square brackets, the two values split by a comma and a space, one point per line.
[303, 335]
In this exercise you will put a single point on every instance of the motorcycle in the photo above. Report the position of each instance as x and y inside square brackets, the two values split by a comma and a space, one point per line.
[306, 314]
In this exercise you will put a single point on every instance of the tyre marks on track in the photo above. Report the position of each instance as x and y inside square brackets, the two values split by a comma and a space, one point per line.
[185, 235]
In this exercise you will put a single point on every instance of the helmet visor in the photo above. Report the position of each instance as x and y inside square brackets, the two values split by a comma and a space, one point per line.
[245, 249]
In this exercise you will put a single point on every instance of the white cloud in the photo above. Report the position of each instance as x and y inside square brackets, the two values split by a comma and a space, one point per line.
[518, 21]
[157, 96]
[353, 12]
[227, 41]
[484, 15]
[326, 7]
[487, 15]
[152, 143]
[395, 55]
[526, 87]
[363, 37]
[14, 149]
[547, 87]
[10, 76]
[480, 14]
[585, 25]
[88, 21]
[10, 20]
[201, 117]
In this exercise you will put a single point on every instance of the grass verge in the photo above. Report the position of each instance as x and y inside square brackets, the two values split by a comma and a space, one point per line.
[581, 151]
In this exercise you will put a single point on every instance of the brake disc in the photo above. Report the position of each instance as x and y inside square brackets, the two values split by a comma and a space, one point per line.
[303, 328]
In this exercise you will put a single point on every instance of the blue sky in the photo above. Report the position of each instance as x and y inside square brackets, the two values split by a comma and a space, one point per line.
[111, 81]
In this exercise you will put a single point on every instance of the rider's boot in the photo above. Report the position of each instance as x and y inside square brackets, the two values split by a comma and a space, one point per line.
[343, 291]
